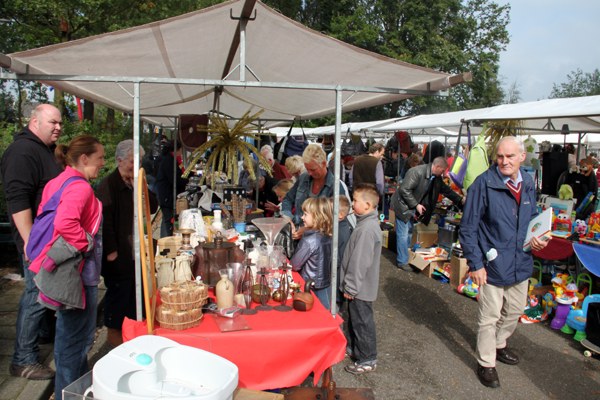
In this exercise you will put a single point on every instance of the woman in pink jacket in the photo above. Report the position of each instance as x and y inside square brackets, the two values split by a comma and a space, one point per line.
[76, 245]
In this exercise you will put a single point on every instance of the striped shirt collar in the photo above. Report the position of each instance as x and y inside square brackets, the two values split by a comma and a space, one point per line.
[506, 179]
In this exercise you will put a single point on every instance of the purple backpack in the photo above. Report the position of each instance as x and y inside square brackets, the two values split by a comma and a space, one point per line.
[43, 225]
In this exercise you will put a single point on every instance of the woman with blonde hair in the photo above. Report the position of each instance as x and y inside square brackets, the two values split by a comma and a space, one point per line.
[295, 166]
[68, 266]
[317, 181]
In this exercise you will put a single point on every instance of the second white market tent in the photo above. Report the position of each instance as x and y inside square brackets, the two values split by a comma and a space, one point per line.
[230, 58]
[544, 117]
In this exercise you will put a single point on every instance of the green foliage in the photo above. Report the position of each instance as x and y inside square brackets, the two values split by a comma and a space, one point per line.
[453, 36]
[578, 84]
[6, 136]
[448, 35]
[290, 8]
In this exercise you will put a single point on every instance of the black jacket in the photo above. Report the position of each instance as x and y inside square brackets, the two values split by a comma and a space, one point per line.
[414, 191]
[27, 165]
[164, 181]
[117, 225]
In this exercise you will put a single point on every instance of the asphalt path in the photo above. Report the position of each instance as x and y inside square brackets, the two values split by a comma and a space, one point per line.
[426, 339]
[426, 335]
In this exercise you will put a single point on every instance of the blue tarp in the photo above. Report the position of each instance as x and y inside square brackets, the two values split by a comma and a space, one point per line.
[589, 256]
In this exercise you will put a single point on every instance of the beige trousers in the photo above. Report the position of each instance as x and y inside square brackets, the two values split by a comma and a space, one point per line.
[499, 310]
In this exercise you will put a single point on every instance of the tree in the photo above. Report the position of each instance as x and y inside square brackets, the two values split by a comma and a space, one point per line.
[448, 35]
[454, 36]
[578, 84]
[513, 95]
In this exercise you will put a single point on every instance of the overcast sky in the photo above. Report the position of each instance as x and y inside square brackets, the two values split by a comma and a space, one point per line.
[548, 40]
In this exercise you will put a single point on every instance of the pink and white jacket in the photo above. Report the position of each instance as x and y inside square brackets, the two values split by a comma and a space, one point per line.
[78, 212]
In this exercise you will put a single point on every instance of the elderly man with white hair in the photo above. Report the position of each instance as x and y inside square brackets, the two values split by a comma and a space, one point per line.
[118, 264]
[500, 204]
[279, 171]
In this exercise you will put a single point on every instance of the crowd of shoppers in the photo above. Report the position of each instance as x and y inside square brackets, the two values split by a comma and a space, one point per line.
[94, 232]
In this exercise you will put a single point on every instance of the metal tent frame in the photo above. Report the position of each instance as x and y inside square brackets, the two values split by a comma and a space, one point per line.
[21, 71]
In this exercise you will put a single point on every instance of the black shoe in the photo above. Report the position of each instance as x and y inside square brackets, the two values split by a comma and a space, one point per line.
[36, 372]
[506, 356]
[488, 376]
[405, 267]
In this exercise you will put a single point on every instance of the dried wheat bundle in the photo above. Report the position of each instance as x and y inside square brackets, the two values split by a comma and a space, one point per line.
[226, 145]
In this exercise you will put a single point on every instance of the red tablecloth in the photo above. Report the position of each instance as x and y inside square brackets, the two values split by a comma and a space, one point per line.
[279, 350]
[557, 249]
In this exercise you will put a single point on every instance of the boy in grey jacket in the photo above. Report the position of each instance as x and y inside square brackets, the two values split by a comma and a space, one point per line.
[359, 279]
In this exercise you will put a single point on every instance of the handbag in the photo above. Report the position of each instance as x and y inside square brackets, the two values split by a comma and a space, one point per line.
[352, 146]
[459, 166]
[290, 146]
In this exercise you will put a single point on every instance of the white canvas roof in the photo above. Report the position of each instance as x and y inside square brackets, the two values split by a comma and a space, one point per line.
[582, 114]
[203, 45]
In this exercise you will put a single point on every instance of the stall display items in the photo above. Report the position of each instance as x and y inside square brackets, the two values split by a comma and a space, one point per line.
[468, 288]
[534, 311]
[540, 227]
[304, 301]
[562, 225]
[181, 306]
[155, 367]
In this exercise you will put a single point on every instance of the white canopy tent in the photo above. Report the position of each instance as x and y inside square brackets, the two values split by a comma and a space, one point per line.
[188, 56]
[188, 65]
[581, 114]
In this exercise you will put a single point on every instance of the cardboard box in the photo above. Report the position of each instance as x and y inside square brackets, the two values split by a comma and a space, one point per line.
[459, 271]
[424, 263]
[392, 217]
[385, 236]
[427, 239]
[419, 227]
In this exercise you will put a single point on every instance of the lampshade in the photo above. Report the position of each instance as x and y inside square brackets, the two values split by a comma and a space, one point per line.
[565, 129]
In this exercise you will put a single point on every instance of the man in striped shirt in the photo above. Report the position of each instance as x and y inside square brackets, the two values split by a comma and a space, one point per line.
[500, 204]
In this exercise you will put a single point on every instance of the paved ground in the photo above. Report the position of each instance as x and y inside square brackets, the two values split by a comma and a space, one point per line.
[426, 336]
[426, 339]
[12, 388]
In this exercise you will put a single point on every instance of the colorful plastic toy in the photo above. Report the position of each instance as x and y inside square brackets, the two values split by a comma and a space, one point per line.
[549, 303]
[534, 312]
[577, 319]
[468, 288]
[580, 227]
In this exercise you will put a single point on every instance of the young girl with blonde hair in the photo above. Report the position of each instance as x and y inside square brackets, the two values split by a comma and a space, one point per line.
[312, 257]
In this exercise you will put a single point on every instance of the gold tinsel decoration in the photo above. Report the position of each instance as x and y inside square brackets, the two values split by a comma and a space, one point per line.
[496, 130]
[224, 145]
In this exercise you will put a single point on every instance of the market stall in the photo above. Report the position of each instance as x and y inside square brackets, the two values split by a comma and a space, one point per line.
[271, 349]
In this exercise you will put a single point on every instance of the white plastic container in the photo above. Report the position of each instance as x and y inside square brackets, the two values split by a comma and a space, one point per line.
[151, 367]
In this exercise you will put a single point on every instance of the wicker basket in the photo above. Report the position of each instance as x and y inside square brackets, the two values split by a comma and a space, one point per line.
[178, 320]
[183, 296]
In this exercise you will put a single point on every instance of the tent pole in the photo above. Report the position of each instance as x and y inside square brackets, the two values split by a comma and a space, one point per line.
[136, 167]
[578, 147]
[336, 200]
[175, 172]
[457, 148]
[243, 22]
